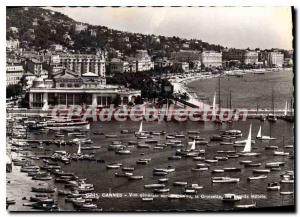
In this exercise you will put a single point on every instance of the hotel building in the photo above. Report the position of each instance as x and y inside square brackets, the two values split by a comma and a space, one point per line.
[79, 63]
[186, 55]
[211, 58]
[14, 73]
[243, 56]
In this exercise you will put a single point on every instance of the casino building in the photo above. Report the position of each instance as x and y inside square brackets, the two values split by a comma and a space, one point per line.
[67, 87]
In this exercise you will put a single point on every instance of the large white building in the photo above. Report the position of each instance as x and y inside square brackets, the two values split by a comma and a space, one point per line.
[186, 55]
[79, 27]
[68, 88]
[250, 57]
[119, 66]
[80, 63]
[275, 59]
[141, 62]
[14, 73]
[12, 45]
[211, 58]
[77, 80]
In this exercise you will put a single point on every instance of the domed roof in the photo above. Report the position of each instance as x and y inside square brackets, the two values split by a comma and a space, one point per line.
[38, 82]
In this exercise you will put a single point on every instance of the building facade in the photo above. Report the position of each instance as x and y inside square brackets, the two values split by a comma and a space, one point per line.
[211, 58]
[186, 55]
[34, 66]
[12, 45]
[14, 74]
[56, 47]
[141, 62]
[80, 27]
[67, 88]
[250, 57]
[243, 56]
[80, 63]
[119, 66]
[162, 63]
[275, 59]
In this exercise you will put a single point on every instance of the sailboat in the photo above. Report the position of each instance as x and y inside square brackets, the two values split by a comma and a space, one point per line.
[286, 108]
[247, 148]
[141, 127]
[214, 105]
[190, 151]
[259, 136]
[281, 153]
[141, 134]
[289, 117]
[193, 145]
[215, 116]
[79, 154]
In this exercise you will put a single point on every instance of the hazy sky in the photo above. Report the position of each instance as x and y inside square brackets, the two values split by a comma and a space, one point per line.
[239, 27]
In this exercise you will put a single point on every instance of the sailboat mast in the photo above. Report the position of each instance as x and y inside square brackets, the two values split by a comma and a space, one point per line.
[219, 93]
[227, 102]
[230, 99]
[273, 102]
[291, 107]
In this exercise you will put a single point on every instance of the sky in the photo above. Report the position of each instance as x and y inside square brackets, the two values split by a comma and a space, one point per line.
[238, 27]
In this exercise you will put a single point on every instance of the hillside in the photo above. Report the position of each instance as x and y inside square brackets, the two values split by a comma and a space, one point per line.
[40, 28]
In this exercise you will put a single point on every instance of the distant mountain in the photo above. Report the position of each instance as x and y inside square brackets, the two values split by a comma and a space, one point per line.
[41, 27]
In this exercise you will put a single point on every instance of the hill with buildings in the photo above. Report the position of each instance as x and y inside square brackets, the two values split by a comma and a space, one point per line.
[39, 28]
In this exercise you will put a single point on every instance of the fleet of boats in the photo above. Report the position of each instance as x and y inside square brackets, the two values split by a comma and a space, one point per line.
[181, 146]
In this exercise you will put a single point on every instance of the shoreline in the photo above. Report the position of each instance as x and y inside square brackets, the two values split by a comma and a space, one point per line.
[181, 84]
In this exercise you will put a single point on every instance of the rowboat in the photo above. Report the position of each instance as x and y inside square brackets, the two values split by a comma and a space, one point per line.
[154, 186]
[113, 166]
[179, 183]
[217, 171]
[211, 161]
[232, 169]
[162, 190]
[224, 180]
[253, 165]
[257, 177]
[135, 177]
[220, 158]
[123, 174]
[147, 199]
[176, 196]
[189, 191]
[286, 192]
[199, 169]
[274, 186]
[163, 180]
[198, 158]
[261, 171]
[168, 170]
[245, 206]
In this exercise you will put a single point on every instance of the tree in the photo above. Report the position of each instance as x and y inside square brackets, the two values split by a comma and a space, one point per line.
[117, 100]
[139, 100]
[13, 90]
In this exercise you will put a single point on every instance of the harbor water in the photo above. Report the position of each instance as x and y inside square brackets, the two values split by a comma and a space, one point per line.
[249, 90]
[116, 192]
